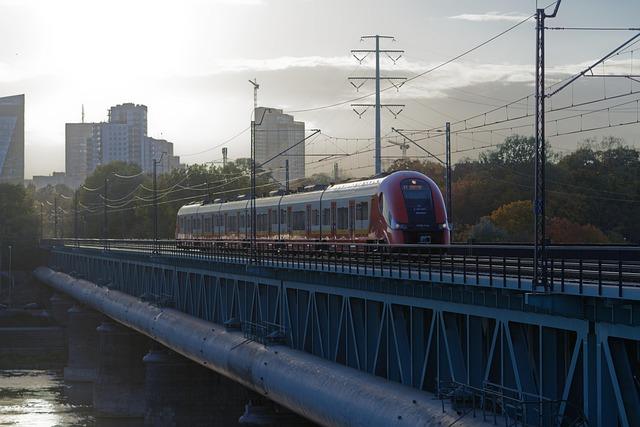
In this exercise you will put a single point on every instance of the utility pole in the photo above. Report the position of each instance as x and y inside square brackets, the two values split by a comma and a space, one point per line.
[394, 109]
[447, 177]
[55, 217]
[256, 86]
[155, 202]
[540, 257]
[41, 221]
[11, 283]
[286, 166]
[105, 230]
[75, 216]
[224, 154]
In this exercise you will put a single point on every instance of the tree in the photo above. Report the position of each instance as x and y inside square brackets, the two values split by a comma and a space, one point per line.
[486, 231]
[18, 226]
[561, 230]
[516, 218]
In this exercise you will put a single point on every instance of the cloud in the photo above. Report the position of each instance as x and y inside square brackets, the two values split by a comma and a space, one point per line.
[491, 17]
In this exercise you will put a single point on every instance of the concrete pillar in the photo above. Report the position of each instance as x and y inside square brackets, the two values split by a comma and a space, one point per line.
[260, 411]
[60, 304]
[118, 390]
[181, 392]
[82, 339]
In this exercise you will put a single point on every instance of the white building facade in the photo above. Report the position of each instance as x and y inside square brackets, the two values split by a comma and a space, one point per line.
[275, 132]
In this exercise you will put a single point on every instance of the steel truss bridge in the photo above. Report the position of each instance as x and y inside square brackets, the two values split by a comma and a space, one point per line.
[463, 322]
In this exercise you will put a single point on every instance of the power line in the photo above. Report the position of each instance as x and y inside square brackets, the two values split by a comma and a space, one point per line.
[594, 28]
[430, 70]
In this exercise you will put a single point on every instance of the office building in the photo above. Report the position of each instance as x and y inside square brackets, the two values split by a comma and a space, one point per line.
[56, 178]
[82, 149]
[162, 151]
[122, 138]
[135, 117]
[12, 139]
[274, 133]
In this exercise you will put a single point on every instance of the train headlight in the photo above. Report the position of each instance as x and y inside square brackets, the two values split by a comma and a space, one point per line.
[444, 226]
[397, 226]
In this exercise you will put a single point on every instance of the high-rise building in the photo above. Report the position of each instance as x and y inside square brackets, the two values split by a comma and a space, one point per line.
[82, 151]
[12, 139]
[117, 143]
[274, 133]
[135, 116]
[162, 151]
[123, 138]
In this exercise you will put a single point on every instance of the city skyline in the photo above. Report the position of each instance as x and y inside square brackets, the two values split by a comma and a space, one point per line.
[193, 66]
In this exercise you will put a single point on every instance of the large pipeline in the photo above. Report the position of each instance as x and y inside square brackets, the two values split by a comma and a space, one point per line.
[322, 391]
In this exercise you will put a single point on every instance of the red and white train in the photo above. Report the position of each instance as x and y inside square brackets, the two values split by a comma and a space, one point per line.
[403, 207]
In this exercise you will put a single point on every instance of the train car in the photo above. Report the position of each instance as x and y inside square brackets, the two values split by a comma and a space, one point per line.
[403, 207]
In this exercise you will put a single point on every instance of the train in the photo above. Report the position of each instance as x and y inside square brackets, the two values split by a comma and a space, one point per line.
[404, 207]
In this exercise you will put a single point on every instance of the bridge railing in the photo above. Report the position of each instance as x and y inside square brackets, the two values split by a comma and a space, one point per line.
[506, 406]
[596, 270]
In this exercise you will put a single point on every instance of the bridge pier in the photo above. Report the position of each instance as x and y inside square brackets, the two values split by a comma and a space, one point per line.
[82, 339]
[59, 307]
[181, 392]
[118, 390]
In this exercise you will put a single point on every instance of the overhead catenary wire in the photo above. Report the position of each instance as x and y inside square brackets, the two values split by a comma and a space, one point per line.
[428, 71]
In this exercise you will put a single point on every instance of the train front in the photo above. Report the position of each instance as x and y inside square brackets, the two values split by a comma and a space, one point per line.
[412, 210]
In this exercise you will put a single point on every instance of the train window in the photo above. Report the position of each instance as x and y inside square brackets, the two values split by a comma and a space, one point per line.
[315, 217]
[298, 220]
[241, 220]
[362, 211]
[326, 216]
[274, 217]
[207, 224]
[263, 221]
[283, 216]
[343, 218]
[418, 201]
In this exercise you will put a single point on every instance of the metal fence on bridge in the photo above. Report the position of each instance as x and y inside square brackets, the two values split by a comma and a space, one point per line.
[610, 271]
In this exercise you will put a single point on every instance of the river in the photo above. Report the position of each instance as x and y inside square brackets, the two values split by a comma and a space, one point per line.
[33, 398]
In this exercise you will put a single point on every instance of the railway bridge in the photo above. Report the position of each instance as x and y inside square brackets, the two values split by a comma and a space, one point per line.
[356, 334]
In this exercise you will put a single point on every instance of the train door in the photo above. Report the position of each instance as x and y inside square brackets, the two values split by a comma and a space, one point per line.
[333, 220]
[289, 221]
[352, 218]
[308, 222]
[269, 223]
[226, 225]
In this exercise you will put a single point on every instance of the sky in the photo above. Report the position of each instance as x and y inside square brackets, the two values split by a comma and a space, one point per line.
[189, 62]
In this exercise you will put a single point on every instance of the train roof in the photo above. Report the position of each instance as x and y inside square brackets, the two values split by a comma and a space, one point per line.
[352, 189]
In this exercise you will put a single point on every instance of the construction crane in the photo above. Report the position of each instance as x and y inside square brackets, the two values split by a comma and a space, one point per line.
[403, 146]
[256, 86]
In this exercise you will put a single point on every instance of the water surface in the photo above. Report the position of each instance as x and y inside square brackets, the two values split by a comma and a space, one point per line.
[33, 398]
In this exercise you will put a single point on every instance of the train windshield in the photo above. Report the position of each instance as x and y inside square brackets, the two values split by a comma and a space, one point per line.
[418, 201]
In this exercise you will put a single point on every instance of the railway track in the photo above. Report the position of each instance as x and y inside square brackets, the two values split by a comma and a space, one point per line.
[493, 265]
